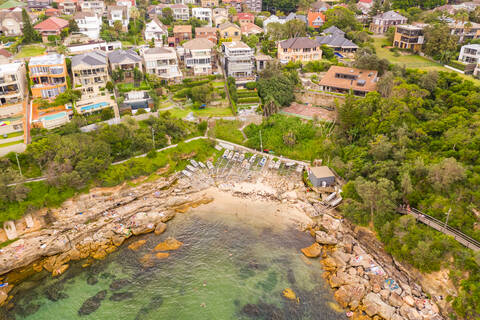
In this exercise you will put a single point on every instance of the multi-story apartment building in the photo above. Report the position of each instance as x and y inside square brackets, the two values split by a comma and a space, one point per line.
[12, 97]
[90, 73]
[204, 14]
[182, 33]
[94, 45]
[180, 11]
[209, 33]
[299, 49]
[470, 54]
[408, 37]
[209, 3]
[39, 4]
[68, 7]
[231, 31]
[198, 56]
[253, 5]
[465, 30]
[238, 61]
[48, 75]
[381, 22]
[89, 24]
[125, 60]
[220, 15]
[118, 13]
[162, 62]
[97, 6]
[11, 23]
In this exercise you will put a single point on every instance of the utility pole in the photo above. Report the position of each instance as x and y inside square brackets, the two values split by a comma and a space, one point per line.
[153, 138]
[448, 215]
[261, 144]
[18, 163]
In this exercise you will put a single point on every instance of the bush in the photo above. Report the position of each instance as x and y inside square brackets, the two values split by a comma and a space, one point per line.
[249, 100]
[456, 64]
[251, 85]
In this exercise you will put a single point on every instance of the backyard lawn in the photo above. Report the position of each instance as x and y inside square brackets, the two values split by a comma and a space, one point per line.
[30, 51]
[207, 112]
[227, 130]
[413, 61]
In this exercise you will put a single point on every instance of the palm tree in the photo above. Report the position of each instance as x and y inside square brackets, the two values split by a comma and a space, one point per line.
[270, 107]
[134, 14]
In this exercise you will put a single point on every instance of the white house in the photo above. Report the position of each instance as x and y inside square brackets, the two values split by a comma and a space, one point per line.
[162, 62]
[272, 18]
[204, 14]
[180, 11]
[198, 56]
[470, 54]
[118, 13]
[89, 24]
[155, 30]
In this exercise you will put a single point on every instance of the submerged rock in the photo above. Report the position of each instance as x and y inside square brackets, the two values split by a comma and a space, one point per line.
[147, 260]
[289, 294]
[54, 293]
[162, 255]
[92, 304]
[136, 245]
[312, 251]
[160, 228]
[120, 296]
[119, 284]
[91, 280]
[169, 244]
[262, 310]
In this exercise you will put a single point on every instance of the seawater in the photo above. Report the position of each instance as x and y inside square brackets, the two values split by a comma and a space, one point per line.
[226, 269]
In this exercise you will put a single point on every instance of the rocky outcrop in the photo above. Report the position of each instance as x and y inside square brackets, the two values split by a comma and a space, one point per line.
[168, 245]
[374, 305]
[312, 251]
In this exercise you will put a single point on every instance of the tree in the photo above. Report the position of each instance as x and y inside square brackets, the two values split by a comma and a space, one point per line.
[69, 96]
[365, 59]
[443, 174]
[167, 14]
[440, 44]
[295, 28]
[29, 33]
[342, 18]
[390, 34]
[202, 93]
[385, 84]
[270, 107]
[252, 41]
[72, 26]
[117, 26]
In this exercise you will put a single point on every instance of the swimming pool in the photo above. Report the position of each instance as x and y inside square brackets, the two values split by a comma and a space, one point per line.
[53, 116]
[8, 44]
[94, 106]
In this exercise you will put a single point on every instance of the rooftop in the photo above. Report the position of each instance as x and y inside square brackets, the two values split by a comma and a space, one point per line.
[322, 172]
[182, 28]
[118, 56]
[93, 58]
[48, 59]
[390, 15]
[298, 43]
[236, 45]
[52, 23]
[335, 40]
[198, 44]
[228, 25]
[9, 68]
[365, 79]
[160, 50]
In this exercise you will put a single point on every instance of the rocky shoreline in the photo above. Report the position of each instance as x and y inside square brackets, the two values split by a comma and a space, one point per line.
[366, 280]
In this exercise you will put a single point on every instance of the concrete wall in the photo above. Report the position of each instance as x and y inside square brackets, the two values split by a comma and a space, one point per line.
[319, 98]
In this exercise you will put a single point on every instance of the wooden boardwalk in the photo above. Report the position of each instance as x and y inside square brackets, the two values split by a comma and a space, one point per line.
[440, 226]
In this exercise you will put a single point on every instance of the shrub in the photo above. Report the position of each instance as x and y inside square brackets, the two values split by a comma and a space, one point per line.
[249, 100]
[251, 85]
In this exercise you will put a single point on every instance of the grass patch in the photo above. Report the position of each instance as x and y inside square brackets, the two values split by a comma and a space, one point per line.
[8, 242]
[30, 51]
[12, 135]
[219, 84]
[2, 145]
[126, 87]
[207, 112]
[227, 130]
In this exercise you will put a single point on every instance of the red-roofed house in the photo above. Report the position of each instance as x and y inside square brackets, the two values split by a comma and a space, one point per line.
[250, 28]
[315, 19]
[245, 17]
[52, 12]
[51, 26]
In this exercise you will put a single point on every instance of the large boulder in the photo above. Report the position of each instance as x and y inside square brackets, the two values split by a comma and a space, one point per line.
[329, 264]
[410, 313]
[374, 305]
[395, 299]
[312, 251]
[324, 238]
[137, 244]
[341, 278]
[160, 228]
[169, 244]
[350, 295]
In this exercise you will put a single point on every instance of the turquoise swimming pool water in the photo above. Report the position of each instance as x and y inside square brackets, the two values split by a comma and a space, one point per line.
[54, 116]
[94, 106]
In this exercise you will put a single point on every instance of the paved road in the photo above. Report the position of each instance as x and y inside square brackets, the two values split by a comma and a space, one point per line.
[19, 148]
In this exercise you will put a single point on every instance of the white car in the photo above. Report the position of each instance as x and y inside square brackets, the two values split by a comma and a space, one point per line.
[189, 167]
[241, 157]
[252, 159]
[262, 162]
[209, 165]
[194, 163]
[187, 173]
[225, 154]
[201, 165]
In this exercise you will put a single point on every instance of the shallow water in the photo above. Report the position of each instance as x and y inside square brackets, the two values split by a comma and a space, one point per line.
[227, 269]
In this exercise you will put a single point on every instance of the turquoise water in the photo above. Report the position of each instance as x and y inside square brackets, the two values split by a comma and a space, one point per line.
[53, 116]
[226, 269]
[94, 106]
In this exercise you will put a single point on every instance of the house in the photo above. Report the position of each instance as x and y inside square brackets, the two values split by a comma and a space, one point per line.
[155, 30]
[51, 27]
[321, 176]
[301, 49]
[12, 97]
[408, 37]
[209, 3]
[52, 12]
[294, 16]
[136, 100]
[253, 5]
[319, 6]
[345, 79]
[231, 31]
[198, 56]
[180, 12]
[315, 19]
[237, 4]
[238, 61]
[465, 30]
[48, 75]
[340, 45]
[162, 62]
[209, 33]
[5, 56]
[262, 61]
[250, 28]
[126, 61]
[11, 22]
[272, 19]
[39, 4]
[182, 33]
[204, 14]
[118, 13]
[470, 53]
[381, 22]
[94, 45]
[220, 15]
[245, 17]
[97, 6]
[333, 30]
[90, 73]
[365, 6]
[68, 7]
[89, 24]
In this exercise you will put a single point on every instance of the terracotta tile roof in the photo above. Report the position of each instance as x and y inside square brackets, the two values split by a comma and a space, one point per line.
[249, 28]
[245, 15]
[312, 16]
[5, 53]
[198, 44]
[367, 77]
[52, 24]
[365, 1]
[206, 30]
[182, 29]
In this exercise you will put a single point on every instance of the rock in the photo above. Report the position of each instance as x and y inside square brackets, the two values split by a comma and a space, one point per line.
[312, 251]
[169, 244]
[74, 254]
[409, 300]
[341, 278]
[160, 228]
[341, 258]
[409, 313]
[396, 316]
[376, 281]
[329, 223]
[59, 270]
[118, 240]
[350, 295]
[162, 255]
[120, 296]
[352, 271]
[142, 229]
[375, 306]
[329, 264]
[92, 304]
[49, 263]
[395, 300]
[360, 271]
[54, 292]
[136, 245]
[147, 260]
[3, 297]
[100, 254]
[348, 244]
[119, 284]
[289, 294]
[384, 294]
[92, 280]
